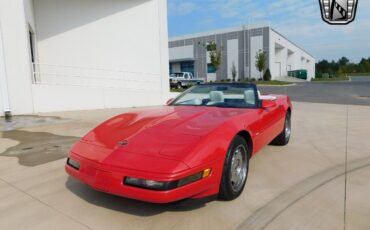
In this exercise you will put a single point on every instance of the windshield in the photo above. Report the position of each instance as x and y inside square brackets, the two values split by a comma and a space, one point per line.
[177, 75]
[220, 95]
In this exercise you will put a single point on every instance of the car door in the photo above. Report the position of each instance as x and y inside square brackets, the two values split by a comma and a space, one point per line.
[271, 123]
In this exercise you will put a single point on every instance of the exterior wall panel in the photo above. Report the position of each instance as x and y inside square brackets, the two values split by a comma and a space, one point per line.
[246, 51]
[85, 46]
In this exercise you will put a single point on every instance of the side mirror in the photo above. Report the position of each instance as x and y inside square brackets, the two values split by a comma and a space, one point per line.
[169, 101]
[266, 104]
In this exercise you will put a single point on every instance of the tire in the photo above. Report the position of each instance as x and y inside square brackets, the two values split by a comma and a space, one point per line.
[235, 172]
[284, 137]
[179, 85]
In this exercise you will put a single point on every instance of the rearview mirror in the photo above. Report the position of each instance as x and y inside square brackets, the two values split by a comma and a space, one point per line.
[169, 101]
[266, 104]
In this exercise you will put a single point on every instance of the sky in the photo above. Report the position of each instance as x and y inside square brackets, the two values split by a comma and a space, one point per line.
[299, 20]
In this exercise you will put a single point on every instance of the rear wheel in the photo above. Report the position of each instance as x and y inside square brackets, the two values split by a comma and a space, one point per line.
[235, 171]
[284, 137]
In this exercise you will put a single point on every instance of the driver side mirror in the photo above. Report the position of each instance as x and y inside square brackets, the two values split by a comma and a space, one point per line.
[169, 101]
[266, 104]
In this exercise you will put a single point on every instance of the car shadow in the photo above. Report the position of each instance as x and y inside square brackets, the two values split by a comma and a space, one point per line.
[129, 206]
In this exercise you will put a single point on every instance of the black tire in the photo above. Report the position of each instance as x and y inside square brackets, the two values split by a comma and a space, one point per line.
[229, 190]
[179, 85]
[284, 137]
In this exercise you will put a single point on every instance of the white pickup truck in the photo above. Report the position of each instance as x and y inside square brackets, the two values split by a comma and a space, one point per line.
[183, 80]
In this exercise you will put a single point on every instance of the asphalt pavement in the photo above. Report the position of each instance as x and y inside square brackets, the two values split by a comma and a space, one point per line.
[353, 92]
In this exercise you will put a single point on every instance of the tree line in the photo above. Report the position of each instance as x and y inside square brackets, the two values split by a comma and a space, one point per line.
[341, 67]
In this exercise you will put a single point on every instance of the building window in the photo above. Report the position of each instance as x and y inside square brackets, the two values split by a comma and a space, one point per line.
[211, 68]
[32, 45]
[187, 66]
[32, 51]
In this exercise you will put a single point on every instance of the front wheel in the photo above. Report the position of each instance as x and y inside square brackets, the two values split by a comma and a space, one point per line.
[235, 171]
[284, 137]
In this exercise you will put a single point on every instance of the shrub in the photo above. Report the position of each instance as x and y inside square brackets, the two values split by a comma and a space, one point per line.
[267, 75]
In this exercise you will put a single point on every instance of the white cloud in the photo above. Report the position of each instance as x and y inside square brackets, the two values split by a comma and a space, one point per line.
[181, 8]
[299, 20]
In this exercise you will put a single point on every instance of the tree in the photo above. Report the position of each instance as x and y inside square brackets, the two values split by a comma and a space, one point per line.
[343, 61]
[267, 75]
[342, 66]
[233, 71]
[215, 54]
[261, 60]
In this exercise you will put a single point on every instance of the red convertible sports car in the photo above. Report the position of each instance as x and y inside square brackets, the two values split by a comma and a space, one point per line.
[197, 146]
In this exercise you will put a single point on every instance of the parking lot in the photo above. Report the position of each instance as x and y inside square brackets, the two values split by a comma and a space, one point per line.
[299, 186]
[354, 92]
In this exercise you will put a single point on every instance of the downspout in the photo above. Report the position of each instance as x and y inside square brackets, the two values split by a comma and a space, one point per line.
[4, 82]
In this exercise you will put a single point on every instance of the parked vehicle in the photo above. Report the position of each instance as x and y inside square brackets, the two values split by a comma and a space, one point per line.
[197, 146]
[183, 80]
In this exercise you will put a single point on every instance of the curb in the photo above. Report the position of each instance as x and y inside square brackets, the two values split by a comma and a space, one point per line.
[294, 84]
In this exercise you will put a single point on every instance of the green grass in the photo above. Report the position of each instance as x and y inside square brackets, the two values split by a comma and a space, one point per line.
[331, 79]
[177, 90]
[273, 82]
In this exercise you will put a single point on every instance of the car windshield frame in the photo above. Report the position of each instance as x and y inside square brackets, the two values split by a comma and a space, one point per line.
[256, 105]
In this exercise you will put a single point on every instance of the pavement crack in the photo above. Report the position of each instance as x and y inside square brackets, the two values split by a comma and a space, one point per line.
[273, 209]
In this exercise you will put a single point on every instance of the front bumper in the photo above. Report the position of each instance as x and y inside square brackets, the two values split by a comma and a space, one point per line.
[111, 180]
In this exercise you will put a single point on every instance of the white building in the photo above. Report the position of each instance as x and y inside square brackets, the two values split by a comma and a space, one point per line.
[240, 45]
[58, 55]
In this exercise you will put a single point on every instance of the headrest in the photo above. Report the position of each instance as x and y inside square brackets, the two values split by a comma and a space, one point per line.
[250, 97]
[216, 96]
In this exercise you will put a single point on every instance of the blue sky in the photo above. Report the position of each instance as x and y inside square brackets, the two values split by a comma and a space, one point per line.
[299, 20]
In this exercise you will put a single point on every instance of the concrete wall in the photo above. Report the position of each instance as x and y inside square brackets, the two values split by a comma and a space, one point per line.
[4, 99]
[256, 46]
[101, 34]
[67, 98]
[285, 54]
[237, 46]
[233, 57]
[240, 45]
[18, 68]
[182, 53]
[93, 33]
[110, 46]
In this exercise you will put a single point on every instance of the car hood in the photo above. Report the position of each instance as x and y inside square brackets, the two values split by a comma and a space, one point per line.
[166, 131]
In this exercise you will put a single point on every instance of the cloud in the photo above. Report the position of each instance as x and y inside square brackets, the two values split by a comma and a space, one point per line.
[299, 20]
[181, 7]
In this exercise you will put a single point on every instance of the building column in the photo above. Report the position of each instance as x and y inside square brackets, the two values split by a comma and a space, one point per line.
[16, 56]
[4, 96]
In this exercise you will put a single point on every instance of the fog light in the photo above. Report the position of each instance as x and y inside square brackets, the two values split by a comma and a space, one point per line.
[164, 186]
[190, 179]
[150, 184]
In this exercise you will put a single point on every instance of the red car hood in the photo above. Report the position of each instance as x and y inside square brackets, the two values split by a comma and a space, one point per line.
[157, 131]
